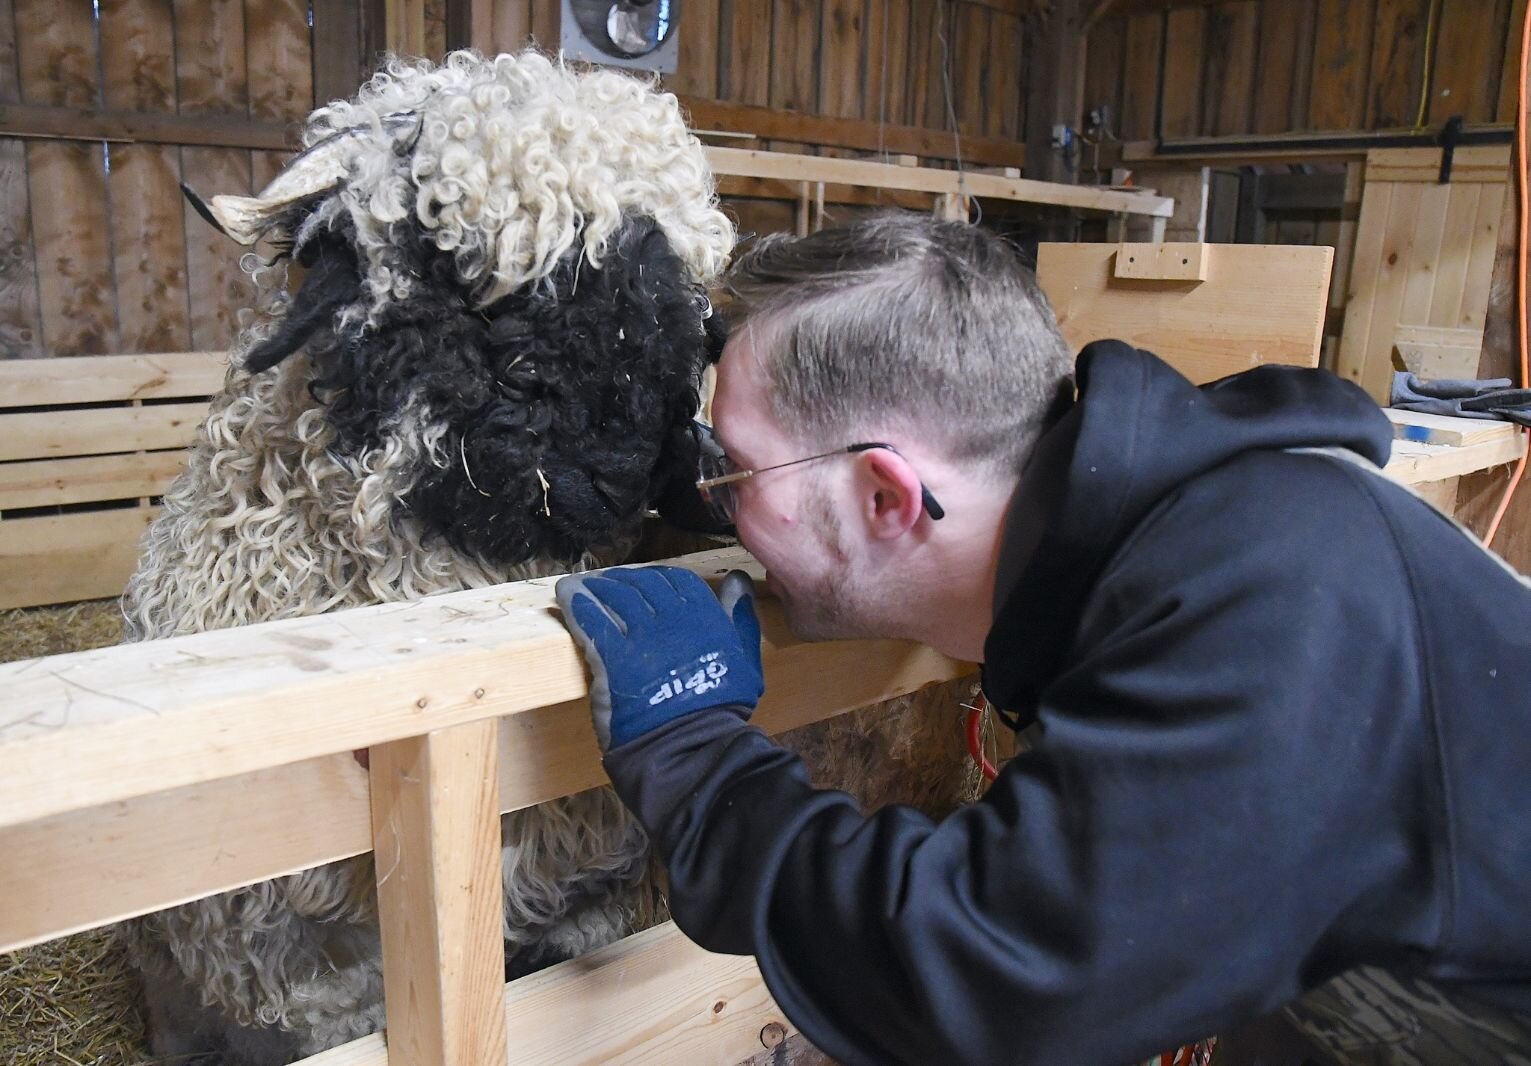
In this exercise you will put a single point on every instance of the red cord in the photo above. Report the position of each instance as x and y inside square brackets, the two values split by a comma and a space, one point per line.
[975, 738]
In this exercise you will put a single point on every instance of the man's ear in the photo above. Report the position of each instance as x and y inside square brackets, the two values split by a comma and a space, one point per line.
[888, 493]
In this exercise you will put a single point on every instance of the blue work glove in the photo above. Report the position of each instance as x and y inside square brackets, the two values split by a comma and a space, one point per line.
[660, 645]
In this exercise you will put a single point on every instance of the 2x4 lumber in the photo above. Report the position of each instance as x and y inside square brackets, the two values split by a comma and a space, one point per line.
[653, 997]
[746, 163]
[129, 127]
[436, 833]
[53, 482]
[110, 724]
[1425, 428]
[103, 378]
[1415, 463]
[98, 431]
[64, 558]
[776, 124]
[49, 880]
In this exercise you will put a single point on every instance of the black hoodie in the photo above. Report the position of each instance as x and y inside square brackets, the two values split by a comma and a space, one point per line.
[1284, 717]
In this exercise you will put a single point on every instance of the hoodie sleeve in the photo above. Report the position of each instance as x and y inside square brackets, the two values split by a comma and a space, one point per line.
[1210, 821]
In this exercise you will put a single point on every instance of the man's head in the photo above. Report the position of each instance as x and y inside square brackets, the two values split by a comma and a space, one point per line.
[930, 336]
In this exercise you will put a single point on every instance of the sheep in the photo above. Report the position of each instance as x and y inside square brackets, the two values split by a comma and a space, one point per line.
[488, 371]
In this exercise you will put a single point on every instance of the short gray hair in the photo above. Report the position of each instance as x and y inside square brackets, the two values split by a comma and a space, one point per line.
[899, 318]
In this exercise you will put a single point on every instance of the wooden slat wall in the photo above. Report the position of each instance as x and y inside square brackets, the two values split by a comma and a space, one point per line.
[98, 252]
[1277, 66]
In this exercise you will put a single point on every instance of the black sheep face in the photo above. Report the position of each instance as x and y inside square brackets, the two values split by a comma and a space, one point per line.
[567, 406]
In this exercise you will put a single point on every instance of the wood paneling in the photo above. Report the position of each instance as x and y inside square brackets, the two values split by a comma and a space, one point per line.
[746, 74]
[1341, 63]
[1283, 67]
[1397, 63]
[1509, 77]
[795, 54]
[1228, 91]
[1103, 71]
[1140, 76]
[842, 59]
[1185, 55]
[1462, 83]
[696, 66]
[888, 45]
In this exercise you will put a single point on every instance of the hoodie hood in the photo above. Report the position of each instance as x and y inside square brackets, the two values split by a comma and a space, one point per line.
[1137, 431]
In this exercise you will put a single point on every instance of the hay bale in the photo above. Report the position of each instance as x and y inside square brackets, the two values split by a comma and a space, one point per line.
[30, 632]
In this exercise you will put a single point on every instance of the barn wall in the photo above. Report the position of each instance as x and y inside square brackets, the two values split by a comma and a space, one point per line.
[1282, 66]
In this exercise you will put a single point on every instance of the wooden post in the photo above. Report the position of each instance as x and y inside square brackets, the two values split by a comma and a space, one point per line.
[436, 834]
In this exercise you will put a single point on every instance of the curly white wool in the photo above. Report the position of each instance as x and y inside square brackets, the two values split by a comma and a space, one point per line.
[514, 160]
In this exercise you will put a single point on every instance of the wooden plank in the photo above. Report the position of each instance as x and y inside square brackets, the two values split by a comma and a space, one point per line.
[217, 287]
[1423, 428]
[1496, 212]
[1005, 100]
[1341, 57]
[1260, 304]
[748, 163]
[1510, 99]
[970, 67]
[63, 434]
[1413, 463]
[1229, 83]
[94, 379]
[696, 65]
[794, 54]
[20, 317]
[842, 59]
[1437, 353]
[336, 50]
[1366, 265]
[926, 106]
[1140, 75]
[888, 64]
[1185, 54]
[148, 239]
[1283, 72]
[210, 57]
[546, 19]
[1397, 63]
[1393, 273]
[1172, 261]
[1461, 82]
[70, 220]
[96, 124]
[866, 135]
[1457, 236]
[1424, 259]
[52, 482]
[10, 74]
[436, 832]
[654, 997]
[63, 558]
[107, 725]
[544, 753]
[277, 48]
[746, 78]
[1103, 70]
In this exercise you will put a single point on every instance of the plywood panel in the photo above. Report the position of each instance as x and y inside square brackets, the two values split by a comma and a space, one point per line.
[1260, 304]
[1283, 74]
[1461, 82]
[71, 557]
[1140, 75]
[1185, 54]
[746, 78]
[1397, 63]
[1341, 64]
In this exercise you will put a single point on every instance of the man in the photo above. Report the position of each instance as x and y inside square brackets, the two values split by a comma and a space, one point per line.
[1282, 703]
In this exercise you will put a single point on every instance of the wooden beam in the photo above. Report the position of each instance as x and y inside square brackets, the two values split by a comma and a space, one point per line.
[97, 431]
[775, 124]
[1346, 145]
[69, 557]
[653, 997]
[102, 726]
[545, 752]
[1415, 463]
[785, 166]
[129, 127]
[436, 833]
[52, 482]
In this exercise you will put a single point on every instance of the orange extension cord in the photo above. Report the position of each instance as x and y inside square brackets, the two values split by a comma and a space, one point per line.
[1522, 215]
